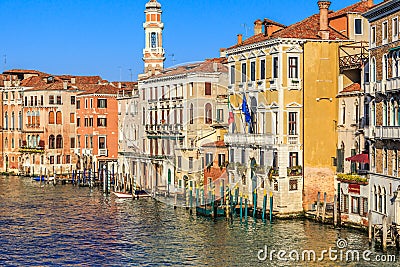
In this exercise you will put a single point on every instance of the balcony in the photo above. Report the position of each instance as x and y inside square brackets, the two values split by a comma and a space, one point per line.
[295, 171]
[293, 140]
[77, 151]
[231, 88]
[250, 139]
[294, 84]
[103, 152]
[87, 152]
[352, 56]
[26, 149]
[387, 132]
[273, 84]
[393, 84]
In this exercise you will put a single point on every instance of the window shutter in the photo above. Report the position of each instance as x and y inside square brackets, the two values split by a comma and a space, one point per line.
[339, 161]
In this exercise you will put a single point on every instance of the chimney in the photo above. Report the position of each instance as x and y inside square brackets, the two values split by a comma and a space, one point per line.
[222, 52]
[73, 80]
[258, 27]
[323, 19]
[215, 66]
[65, 85]
[240, 39]
[370, 3]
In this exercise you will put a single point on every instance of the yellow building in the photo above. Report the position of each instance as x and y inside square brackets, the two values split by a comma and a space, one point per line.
[289, 77]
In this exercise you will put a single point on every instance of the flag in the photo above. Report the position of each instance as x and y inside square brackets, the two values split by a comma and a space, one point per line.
[245, 110]
[231, 118]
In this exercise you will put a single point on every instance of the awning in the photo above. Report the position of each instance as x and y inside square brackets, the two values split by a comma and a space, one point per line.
[361, 158]
[394, 49]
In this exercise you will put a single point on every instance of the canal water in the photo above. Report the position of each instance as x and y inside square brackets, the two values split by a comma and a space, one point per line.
[46, 225]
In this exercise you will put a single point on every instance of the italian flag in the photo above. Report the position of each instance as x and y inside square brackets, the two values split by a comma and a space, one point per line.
[231, 118]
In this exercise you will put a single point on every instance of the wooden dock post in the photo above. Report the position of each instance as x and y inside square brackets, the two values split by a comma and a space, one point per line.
[254, 203]
[384, 233]
[190, 200]
[236, 195]
[245, 208]
[264, 205]
[176, 200]
[370, 228]
[271, 206]
[241, 210]
[335, 215]
[324, 209]
[318, 204]
[197, 195]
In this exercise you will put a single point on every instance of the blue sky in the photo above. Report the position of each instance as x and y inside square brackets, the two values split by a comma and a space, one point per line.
[106, 38]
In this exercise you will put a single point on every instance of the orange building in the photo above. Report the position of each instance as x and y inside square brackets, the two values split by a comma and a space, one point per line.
[97, 127]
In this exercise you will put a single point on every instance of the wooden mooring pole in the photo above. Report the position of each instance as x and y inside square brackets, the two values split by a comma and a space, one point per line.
[370, 228]
[324, 209]
[384, 233]
[318, 204]
[335, 210]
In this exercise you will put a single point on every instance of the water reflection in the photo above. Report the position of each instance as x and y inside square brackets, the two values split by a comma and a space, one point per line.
[46, 225]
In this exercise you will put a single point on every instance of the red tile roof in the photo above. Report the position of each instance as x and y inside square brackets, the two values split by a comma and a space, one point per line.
[352, 88]
[21, 71]
[215, 144]
[309, 27]
[274, 23]
[97, 89]
[359, 7]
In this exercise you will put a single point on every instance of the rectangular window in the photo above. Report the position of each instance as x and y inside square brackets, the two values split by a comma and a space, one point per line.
[209, 159]
[72, 117]
[220, 115]
[67, 159]
[293, 159]
[51, 99]
[78, 104]
[346, 203]
[221, 160]
[102, 142]
[292, 123]
[243, 156]
[91, 103]
[51, 159]
[373, 35]
[233, 78]
[72, 100]
[101, 122]
[262, 158]
[59, 100]
[244, 72]
[102, 103]
[262, 69]
[207, 88]
[90, 122]
[293, 67]
[78, 122]
[78, 138]
[179, 162]
[144, 94]
[86, 103]
[395, 27]
[232, 156]
[364, 207]
[355, 205]
[384, 32]
[72, 142]
[358, 26]
[86, 141]
[190, 163]
[275, 68]
[253, 71]
[58, 159]
[86, 122]
[293, 184]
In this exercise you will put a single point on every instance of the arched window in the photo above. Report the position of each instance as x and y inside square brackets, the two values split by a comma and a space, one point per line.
[52, 142]
[6, 143]
[384, 67]
[191, 114]
[384, 200]
[343, 113]
[373, 70]
[12, 120]
[59, 142]
[51, 117]
[384, 113]
[38, 117]
[392, 113]
[6, 120]
[38, 141]
[372, 114]
[34, 144]
[208, 113]
[379, 199]
[375, 199]
[20, 120]
[394, 66]
[58, 117]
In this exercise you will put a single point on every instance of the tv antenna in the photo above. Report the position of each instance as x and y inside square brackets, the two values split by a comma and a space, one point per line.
[173, 59]
[246, 29]
[5, 62]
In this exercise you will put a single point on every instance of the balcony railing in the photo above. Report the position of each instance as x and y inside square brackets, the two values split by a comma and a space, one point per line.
[103, 152]
[293, 140]
[393, 84]
[387, 132]
[250, 139]
[26, 149]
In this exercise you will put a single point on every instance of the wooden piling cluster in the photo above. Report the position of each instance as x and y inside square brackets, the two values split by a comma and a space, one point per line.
[324, 212]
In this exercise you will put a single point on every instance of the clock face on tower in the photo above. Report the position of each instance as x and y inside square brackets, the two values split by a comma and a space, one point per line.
[153, 40]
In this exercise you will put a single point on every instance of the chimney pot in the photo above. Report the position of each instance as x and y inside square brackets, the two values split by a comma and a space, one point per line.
[240, 39]
[323, 19]
[258, 27]
[65, 85]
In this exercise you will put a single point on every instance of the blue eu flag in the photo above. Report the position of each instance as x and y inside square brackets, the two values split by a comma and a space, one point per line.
[245, 110]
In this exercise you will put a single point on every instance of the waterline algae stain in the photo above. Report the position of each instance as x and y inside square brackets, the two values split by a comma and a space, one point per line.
[66, 225]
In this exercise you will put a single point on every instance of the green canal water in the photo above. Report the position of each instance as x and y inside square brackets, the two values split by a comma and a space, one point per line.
[63, 225]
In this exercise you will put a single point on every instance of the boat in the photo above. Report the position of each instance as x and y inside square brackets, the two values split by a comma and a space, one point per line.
[141, 193]
[123, 195]
[42, 178]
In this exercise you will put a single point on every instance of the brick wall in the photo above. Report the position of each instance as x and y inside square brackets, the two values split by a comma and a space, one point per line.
[317, 180]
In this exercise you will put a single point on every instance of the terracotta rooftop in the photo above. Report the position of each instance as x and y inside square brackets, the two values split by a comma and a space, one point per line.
[21, 71]
[98, 89]
[309, 27]
[206, 66]
[352, 88]
[215, 144]
[274, 23]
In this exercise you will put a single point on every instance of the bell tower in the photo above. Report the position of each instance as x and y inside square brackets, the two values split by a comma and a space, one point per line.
[153, 53]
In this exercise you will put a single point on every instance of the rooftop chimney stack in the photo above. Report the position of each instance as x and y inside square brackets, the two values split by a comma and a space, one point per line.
[240, 39]
[258, 27]
[370, 3]
[323, 19]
